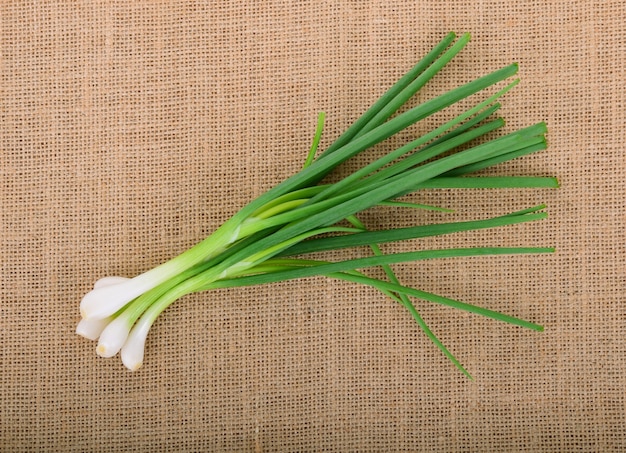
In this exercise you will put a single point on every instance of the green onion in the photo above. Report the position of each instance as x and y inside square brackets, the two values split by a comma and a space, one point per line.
[269, 239]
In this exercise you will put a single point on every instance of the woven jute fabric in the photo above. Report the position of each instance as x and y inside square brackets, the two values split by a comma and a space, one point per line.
[129, 131]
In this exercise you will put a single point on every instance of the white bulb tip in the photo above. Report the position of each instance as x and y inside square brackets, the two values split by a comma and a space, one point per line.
[113, 337]
[133, 350]
[135, 366]
[133, 360]
[91, 329]
[102, 351]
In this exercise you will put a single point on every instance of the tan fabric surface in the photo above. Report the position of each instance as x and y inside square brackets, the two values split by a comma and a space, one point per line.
[130, 130]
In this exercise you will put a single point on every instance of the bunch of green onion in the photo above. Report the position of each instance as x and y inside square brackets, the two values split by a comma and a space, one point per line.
[267, 240]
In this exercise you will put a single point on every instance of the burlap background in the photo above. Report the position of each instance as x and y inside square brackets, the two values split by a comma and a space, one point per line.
[130, 130]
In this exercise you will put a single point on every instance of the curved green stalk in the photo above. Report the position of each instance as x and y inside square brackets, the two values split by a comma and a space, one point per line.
[316, 140]
[404, 300]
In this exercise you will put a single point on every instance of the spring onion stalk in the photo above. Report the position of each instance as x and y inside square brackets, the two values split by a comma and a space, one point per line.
[269, 239]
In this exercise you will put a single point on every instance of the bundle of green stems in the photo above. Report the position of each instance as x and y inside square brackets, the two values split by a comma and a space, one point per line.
[269, 239]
